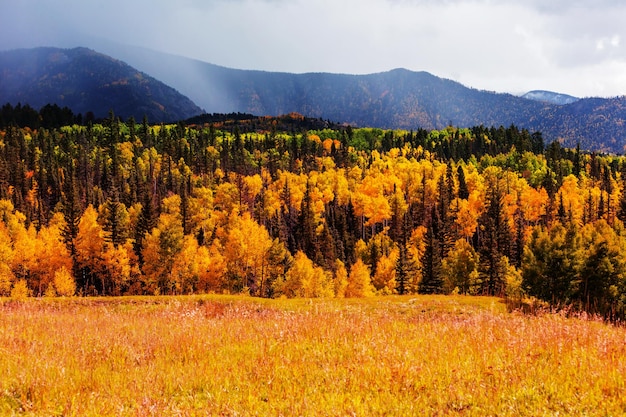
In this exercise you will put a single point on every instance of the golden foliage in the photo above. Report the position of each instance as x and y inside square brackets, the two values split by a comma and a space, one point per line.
[359, 281]
[64, 283]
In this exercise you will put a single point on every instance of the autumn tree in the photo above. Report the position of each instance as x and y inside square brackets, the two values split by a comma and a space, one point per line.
[359, 281]
[384, 280]
[460, 269]
[89, 245]
[63, 283]
[161, 246]
[304, 279]
[6, 258]
[253, 259]
[52, 254]
[340, 282]
[212, 268]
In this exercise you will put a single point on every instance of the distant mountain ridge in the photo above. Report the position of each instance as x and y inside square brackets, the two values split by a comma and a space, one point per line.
[395, 99]
[87, 81]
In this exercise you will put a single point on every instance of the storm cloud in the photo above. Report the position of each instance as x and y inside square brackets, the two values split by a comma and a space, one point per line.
[576, 47]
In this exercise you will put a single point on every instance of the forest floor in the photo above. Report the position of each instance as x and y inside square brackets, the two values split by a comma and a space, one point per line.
[241, 356]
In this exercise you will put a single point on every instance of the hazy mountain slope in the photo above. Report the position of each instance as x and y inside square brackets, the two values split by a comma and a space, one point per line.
[84, 81]
[394, 99]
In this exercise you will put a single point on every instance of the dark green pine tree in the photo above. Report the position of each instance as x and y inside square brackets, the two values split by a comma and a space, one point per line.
[72, 212]
[405, 271]
[463, 190]
[621, 209]
[607, 185]
[562, 213]
[432, 281]
[115, 231]
[447, 217]
[148, 218]
[306, 236]
[494, 243]
[520, 238]
[396, 229]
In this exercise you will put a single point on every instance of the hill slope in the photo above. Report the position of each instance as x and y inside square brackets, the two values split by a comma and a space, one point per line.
[394, 99]
[84, 81]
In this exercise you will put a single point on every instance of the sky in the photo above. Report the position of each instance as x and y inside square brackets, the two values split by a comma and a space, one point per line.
[575, 47]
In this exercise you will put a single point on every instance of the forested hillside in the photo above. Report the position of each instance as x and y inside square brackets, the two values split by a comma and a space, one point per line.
[87, 82]
[126, 208]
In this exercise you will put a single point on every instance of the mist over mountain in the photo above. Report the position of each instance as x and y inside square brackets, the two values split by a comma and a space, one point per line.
[86, 81]
[550, 97]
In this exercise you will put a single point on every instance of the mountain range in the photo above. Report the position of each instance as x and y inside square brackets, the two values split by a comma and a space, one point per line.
[399, 99]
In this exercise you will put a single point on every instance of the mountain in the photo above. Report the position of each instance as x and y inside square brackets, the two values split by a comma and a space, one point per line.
[550, 97]
[398, 99]
[395, 99]
[87, 81]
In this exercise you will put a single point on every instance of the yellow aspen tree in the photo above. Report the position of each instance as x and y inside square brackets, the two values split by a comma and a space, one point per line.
[64, 283]
[201, 211]
[359, 281]
[6, 259]
[252, 186]
[572, 198]
[20, 290]
[468, 213]
[211, 268]
[341, 279]
[120, 265]
[460, 269]
[304, 279]
[185, 268]
[51, 255]
[416, 247]
[90, 245]
[24, 253]
[533, 203]
[384, 280]
[17, 246]
[161, 247]
[252, 257]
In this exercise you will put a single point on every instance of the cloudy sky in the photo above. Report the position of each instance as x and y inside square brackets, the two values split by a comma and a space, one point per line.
[576, 47]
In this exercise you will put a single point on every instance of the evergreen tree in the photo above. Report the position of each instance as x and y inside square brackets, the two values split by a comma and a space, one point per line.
[432, 281]
[495, 242]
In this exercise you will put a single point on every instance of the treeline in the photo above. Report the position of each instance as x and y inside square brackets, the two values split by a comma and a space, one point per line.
[49, 116]
[126, 208]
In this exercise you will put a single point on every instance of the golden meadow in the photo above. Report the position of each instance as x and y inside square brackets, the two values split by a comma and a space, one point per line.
[242, 356]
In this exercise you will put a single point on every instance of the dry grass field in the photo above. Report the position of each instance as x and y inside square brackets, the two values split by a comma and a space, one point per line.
[238, 356]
